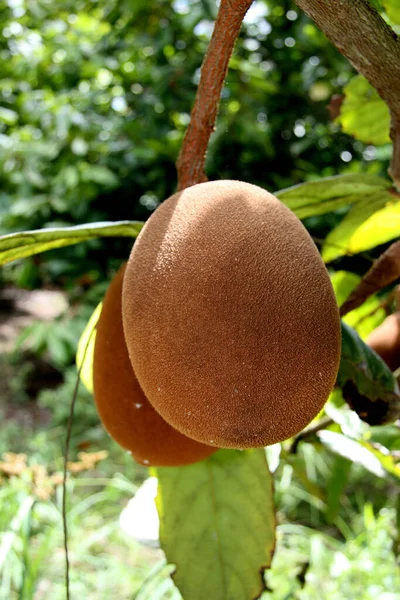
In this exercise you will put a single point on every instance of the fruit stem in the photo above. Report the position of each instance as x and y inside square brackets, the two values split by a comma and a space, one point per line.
[191, 161]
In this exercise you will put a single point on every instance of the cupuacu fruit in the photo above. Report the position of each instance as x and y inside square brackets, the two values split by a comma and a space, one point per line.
[385, 340]
[230, 318]
[124, 410]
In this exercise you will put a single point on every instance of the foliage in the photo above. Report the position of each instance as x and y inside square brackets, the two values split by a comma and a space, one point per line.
[96, 140]
[233, 542]
[361, 100]
[361, 567]
[31, 538]
[21, 245]
[94, 103]
[364, 367]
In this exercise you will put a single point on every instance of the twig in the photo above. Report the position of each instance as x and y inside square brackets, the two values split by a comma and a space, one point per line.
[65, 469]
[192, 157]
[358, 31]
[384, 271]
[310, 432]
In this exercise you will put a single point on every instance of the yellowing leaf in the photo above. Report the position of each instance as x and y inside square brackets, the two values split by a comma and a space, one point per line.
[330, 193]
[217, 524]
[349, 236]
[85, 350]
[381, 227]
[363, 113]
[367, 383]
[365, 318]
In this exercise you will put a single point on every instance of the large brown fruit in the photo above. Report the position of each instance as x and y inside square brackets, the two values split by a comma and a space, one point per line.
[229, 316]
[124, 410]
[385, 340]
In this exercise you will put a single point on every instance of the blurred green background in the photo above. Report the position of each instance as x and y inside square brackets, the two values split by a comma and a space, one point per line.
[95, 97]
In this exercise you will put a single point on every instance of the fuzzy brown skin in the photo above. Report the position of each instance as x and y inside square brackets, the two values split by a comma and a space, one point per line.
[229, 316]
[124, 410]
[385, 340]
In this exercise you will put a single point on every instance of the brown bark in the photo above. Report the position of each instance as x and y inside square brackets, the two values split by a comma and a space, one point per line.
[191, 161]
[384, 271]
[366, 40]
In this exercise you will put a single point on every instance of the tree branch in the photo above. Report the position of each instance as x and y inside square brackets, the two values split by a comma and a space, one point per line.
[364, 38]
[191, 161]
[310, 432]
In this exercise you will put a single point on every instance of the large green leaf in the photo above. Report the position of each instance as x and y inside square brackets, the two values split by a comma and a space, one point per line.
[368, 224]
[27, 243]
[343, 283]
[379, 228]
[328, 194]
[363, 113]
[368, 384]
[217, 524]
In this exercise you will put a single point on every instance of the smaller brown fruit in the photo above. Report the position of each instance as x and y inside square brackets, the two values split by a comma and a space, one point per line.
[385, 340]
[123, 408]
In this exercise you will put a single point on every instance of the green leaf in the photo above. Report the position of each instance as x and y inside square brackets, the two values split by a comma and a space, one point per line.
[328, 194]
[217, 524]
[363, 113]
[392, 9]
[381, 227]
[361, 365]
[27, 243]
[377, 460]
[387, 436]
[367, 383]
[84, 354]
[349, 237]
[352, 450]
[365, 318]
[385, 457]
